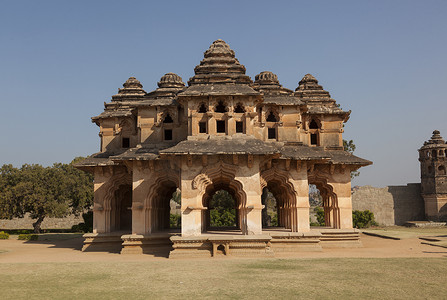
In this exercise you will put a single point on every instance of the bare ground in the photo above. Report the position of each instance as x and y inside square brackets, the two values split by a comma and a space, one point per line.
[69, 250]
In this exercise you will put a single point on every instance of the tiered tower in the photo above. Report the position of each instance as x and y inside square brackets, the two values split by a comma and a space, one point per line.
[433, 177]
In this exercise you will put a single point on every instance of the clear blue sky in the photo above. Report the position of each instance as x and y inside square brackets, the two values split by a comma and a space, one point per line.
[384, 60]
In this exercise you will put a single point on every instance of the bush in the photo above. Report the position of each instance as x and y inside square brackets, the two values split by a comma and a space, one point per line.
[175, 221]
[86, 226]
[4, 235]
[363, 219]
[28, 237]
[320, 216]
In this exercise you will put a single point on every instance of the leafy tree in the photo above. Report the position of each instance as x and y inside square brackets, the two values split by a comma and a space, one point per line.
[350, 147]
[44, 191]
[222, 210]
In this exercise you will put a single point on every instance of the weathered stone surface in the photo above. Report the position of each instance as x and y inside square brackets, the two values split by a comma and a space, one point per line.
[222, 131]
[391, 205]
[433, 159]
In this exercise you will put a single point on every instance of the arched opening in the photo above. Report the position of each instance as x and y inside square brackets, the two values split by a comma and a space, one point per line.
[434, 153]
[316, 210]
[222, 210]
[121, 212]
[203, 109]
[441, 170]
[327, 212]
[220, 107]
[162, 207]
[313, 125]
[271, 117]
[168, 119]
[223, 206]
[175, 213]
[280, 201]
[270, 209]
[239, 108]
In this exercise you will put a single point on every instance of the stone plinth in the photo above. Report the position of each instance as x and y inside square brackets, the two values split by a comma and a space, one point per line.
[340, 238]
[157, 244]
[295, 241]
[102, 242]
[216, 245]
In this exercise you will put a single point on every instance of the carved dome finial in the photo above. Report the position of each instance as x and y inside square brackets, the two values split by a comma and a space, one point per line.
[219, 48]
[132, 90]
[219, 66]
[436, 138]
[266, 78]
[132, 83]
[171, 80]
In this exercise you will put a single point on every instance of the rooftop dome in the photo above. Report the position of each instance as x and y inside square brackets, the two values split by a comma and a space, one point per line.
[171, 80]
[169, 85]
[219, 66]
[132, 90]
[436, 138]
[309, 89]
[266, 78]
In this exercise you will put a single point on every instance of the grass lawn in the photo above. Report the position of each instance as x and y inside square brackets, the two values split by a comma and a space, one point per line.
[397, 278]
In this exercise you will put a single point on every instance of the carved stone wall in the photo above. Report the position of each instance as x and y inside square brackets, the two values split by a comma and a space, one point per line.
[391, 205]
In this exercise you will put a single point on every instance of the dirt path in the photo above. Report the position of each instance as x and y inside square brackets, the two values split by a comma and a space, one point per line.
[69, 251]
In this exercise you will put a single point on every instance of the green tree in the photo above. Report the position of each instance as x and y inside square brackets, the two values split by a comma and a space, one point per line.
[222, 210]
[350, 147]
[44, 191]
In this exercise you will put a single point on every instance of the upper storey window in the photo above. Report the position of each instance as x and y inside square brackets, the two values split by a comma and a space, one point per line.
[220, 107]
[314, 132]
[168, 119]
[125, 143]
[239, 108]
[313, 125]
[271, 117]
[203, 109]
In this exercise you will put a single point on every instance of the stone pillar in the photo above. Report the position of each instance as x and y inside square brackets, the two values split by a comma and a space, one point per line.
[300, 205]
[192, 205]
[341, 184]
[101, 211]
[141, 209]
[248, 175]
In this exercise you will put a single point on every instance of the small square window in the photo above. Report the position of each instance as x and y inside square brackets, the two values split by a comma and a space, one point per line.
[220, 126]
[126, 142]
[202, 127]
[272, 133]
[168, 134]
[313, 139]
[239, 127]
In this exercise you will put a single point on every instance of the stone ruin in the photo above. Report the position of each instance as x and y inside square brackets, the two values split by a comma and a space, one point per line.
[221, 131]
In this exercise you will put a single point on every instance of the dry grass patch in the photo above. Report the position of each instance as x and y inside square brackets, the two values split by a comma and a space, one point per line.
[396, 278]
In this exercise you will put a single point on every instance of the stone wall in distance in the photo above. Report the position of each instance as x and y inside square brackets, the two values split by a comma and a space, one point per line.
[48, 223]
[391, 205]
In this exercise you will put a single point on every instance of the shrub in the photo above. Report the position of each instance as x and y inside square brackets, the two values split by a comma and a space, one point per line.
[320, 216]
[28, 237]
[4, 235]
[86, 226]
[175, 221]
[363, 219]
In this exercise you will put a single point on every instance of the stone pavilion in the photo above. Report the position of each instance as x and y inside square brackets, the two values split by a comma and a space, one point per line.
[221, 131]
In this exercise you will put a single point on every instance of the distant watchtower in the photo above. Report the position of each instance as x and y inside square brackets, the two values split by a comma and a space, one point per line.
[433, 177]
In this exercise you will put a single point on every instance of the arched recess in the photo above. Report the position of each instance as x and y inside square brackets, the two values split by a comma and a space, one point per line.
[277, 182]
[221, 176]
[157, 202]
[117, 202]
[330, 201]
